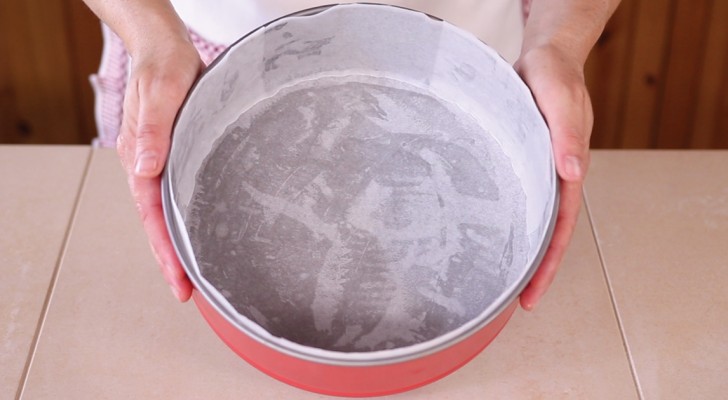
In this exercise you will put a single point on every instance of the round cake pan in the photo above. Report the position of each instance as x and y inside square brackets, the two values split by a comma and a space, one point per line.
[359, 193]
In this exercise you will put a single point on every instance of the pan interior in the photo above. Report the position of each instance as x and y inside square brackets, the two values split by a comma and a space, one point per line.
[358, 213]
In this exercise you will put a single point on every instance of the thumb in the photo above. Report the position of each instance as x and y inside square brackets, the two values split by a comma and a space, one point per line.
[558, 87]
[571, 153]
[569, 116]
[158, 105]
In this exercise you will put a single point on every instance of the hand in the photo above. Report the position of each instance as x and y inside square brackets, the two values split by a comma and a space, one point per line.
[160, 79]
[557, 83]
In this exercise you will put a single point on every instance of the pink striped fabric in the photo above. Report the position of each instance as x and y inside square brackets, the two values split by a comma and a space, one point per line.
[109, 83]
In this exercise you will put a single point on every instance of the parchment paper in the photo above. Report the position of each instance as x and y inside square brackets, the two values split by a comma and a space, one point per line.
[315, 168]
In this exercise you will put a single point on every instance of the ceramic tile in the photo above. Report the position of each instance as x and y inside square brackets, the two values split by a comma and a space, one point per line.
[569, 347]
[661, 219]
[114, 330]
[38, 190]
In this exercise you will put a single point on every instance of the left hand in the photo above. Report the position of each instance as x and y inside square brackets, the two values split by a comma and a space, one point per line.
[557, 83]
[161, 75]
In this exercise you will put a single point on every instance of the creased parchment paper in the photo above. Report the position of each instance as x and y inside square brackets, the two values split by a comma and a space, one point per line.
[364, 180]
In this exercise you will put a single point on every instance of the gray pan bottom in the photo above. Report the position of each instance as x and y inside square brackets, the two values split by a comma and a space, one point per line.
[358, 214]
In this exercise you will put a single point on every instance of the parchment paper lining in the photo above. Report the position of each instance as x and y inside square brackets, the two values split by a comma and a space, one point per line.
[375, 41]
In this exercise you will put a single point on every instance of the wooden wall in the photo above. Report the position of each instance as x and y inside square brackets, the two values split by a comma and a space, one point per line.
[48, 48]
[658, 76]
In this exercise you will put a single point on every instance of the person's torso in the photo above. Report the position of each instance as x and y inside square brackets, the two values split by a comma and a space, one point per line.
[498, 23]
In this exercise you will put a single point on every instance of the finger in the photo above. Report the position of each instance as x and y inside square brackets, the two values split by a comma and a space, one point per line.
[159, 100]
[559, 90]
[569, 117]
[570, 199]
[125, 141]
[125, 146]
[147, 194]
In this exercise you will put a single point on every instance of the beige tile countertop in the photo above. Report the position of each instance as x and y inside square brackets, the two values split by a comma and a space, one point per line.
[39, 187]
[637, 311]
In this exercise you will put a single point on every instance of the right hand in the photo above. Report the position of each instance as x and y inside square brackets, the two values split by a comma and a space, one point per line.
[161, 75]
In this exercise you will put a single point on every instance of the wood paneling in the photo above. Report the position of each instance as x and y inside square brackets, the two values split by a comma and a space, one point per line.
[673, 94]
[706, 130]
[658, 76]
[720, 138]
[687, 46]
[608, 64]
[86, 44]
[645, 77]
[41, 96]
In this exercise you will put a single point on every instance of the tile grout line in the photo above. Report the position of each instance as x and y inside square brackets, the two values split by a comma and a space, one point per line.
[53, 280]
[612, 298]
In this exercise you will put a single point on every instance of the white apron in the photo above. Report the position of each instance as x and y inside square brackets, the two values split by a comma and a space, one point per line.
[499, 23]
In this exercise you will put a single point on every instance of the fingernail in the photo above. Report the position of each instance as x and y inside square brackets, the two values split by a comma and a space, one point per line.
[573, 167]
[167, 270]
[146, 163]
[176, 293]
